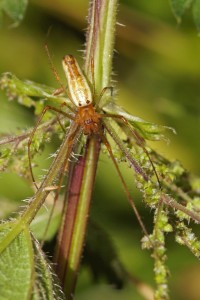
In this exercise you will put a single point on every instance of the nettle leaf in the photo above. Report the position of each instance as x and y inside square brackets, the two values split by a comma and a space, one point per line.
[25, 272]
[179, 7]
[16, 265]
[46, 283]
[28, 92]
[148, 130]
[15, 9]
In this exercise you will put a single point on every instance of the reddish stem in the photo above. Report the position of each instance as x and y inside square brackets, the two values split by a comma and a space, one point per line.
[77, 198]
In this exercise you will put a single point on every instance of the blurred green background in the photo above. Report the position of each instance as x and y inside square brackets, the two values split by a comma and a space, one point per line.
[157, 75]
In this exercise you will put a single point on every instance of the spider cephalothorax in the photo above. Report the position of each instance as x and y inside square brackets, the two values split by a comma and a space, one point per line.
[89, 119]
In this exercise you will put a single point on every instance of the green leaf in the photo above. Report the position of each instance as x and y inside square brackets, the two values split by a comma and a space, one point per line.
[196, 13]
[24, 270]
[15, 9]
[148, 130]
[179, 7]
[27, 92]
[46, 284]
[16, 266]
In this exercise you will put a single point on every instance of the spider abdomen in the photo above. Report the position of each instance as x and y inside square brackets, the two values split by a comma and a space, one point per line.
[78, 86]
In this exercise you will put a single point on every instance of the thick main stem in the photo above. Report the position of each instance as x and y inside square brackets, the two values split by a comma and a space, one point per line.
[97, 67]
[72, 235]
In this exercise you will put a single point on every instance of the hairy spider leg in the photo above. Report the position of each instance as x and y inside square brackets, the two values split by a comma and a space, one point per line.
[58, 117]
[55, 72]
[130, 198]
[57, 76]
[102, 93]
[125, 151]
[68, 106]
[139, 139]
[61, 125]
[46, 108]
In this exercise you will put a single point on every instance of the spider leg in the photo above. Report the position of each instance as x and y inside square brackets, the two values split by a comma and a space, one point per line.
[61, 125]
[59, 91]
[57, 76]
[102, 93]
[72, 139]
[33, 133]
[139, 139]
[62, 88]
[68, 106]
[58, 117]
[130, 198]
[126, 152]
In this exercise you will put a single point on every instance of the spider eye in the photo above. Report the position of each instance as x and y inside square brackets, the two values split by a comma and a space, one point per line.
[88, 101]
[80, 104]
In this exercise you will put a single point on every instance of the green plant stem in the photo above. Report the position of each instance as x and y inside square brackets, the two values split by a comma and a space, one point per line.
[159, 255]
[100, 42]
[97, 67]
[72, 236]
[40, 196]
[172, 203]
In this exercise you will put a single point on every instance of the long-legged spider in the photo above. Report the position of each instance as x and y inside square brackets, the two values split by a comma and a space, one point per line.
[89, 119]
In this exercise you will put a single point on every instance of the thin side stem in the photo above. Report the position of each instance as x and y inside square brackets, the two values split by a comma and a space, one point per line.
[170, 202]
[41, 194]
[159, 254]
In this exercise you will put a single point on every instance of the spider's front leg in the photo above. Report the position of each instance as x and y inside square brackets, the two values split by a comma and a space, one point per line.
[139, 139]
[33, 133]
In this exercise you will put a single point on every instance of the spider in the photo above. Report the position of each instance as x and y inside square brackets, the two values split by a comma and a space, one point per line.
[89, 119]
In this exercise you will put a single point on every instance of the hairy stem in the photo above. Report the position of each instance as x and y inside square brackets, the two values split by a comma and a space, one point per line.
[72, 235]
[40, 196]
[100, 42]
[97, 67]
